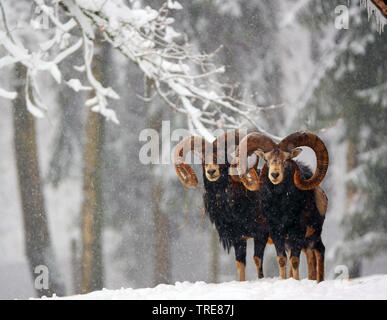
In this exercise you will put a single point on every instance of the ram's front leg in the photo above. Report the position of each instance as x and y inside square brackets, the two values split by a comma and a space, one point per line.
[295, 245]
[240, 257]
[279, 243]
[259, 249]
[290, 269]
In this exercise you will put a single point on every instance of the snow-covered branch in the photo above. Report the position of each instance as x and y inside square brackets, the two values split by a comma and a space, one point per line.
[379, 9]
[185, 80]
[54, 41]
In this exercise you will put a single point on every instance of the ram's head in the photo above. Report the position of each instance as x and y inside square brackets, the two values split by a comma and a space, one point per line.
[215, 157]
[278, 157]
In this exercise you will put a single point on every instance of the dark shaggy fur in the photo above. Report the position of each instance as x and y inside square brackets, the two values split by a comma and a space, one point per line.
[236, 214]
[289, 211]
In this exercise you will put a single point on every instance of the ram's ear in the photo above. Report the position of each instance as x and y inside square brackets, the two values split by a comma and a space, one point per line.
[260, 153]
[295, 152]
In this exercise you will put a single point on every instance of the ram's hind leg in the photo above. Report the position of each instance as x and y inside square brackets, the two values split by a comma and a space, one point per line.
[311, 261]
[240, 257]
[319, 252]
[259, 249]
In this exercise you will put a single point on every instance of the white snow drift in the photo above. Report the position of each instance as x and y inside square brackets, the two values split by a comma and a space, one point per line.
[373, 287]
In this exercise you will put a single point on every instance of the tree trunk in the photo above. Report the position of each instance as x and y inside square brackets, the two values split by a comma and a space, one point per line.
[162, 264]
[76, 270]
[351, 190]
[92, 208]
[38, 247]
[92, 214]
[214, 256]
[162, 234]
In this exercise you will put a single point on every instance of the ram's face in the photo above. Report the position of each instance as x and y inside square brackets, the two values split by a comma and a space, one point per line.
[212, 172]
[276, 161]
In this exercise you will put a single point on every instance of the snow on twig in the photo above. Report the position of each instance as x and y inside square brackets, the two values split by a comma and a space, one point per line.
[185, 80]
[7, 94]
[373, 9]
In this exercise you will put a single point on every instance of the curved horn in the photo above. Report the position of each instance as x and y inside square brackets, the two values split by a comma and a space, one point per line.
[308, 139]
[228, 141]
[184, 171]
[249, 144]
[251, 182]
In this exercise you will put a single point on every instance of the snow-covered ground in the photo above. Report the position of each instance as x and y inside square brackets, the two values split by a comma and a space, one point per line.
[373, 287]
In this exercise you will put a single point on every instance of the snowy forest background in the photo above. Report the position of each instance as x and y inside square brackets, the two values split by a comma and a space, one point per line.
[282, 53]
